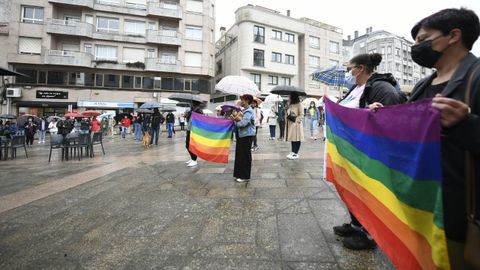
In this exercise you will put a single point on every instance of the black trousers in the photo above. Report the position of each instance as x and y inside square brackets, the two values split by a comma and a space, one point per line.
[187, 143]
[281, 125]
[255, 137]
[243, 158]
[29, 139]
[296, 147]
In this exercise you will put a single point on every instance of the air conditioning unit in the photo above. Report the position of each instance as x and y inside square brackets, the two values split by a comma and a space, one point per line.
[14, 92]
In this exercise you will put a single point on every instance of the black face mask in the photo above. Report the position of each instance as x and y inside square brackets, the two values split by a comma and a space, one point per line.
[424, 55]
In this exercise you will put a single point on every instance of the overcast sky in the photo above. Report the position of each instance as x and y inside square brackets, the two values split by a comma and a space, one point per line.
[397, 17]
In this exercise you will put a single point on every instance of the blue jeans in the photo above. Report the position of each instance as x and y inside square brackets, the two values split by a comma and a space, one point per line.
[272, 131]
[138, 131]
[41, 135]
[154, 132]
[170, 129]
[313, 127]
[124, 132]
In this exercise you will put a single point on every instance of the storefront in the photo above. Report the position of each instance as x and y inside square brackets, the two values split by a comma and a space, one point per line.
[117, 106]
[46, 107]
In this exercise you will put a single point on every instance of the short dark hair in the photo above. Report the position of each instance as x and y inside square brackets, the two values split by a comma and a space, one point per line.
[369, 60]
[447, 19]
[248, 98]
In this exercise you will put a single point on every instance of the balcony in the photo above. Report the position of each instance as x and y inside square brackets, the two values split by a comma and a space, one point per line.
[71, 28]
[168, 37]
[67, 58]
[117, 7]
[162, 64]
[117, 36]
[164, 10]
[82, 3]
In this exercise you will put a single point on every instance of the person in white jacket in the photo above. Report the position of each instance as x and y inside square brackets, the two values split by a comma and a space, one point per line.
[52, 127]
[272, 121]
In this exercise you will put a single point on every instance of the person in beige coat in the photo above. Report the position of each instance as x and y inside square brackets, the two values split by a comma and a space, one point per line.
[294, 128]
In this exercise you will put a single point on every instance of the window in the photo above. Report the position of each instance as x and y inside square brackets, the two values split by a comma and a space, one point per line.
[107, 24]
[195, 6]
[103, 52]
[193, 59]
[138, 82]
[334, 63]
[152, 26]
[258, 34]
[133, 55]
[212, 36]
[289, 59]
[314, 42]
[72, 79]
[28, 45]
[397, 51]
[258, 58]
[334, 47]
[193, 32]
[314, 61]
[257, 79]
[188, 85]
[286, 81]
[277, 34]
[32, 75]
[276, 57]
[89, 19]
[135, 27]
[42, 77]
[32, 14]
[169, 58]
[157, 82]
[87, 48]
[382, 50]
[272, 80]
[89, 79]
[290, 37]
[151, 53]
[148, 82]
[167, 83]
[137, 4]
[127, 81]
[99, 80]
[57, 77]
[389, 50]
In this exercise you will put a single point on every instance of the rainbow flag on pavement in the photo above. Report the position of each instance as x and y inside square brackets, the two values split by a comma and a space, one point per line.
[210, 137]
[386, 167]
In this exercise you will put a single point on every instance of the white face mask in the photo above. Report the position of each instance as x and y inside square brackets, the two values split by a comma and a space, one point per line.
[350, 79]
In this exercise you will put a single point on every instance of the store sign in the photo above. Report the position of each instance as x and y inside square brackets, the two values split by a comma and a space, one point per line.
[52, 94]
[104, 104]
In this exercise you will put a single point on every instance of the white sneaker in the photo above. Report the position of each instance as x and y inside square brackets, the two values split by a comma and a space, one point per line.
[239, 180]
[294, 156]
[289, 156]
[188, 161]
[192, 164]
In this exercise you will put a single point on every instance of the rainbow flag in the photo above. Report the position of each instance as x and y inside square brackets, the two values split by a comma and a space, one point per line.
[210, 137]
[386, 167]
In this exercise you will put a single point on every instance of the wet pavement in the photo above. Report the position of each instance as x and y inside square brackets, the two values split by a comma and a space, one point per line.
[137, 208]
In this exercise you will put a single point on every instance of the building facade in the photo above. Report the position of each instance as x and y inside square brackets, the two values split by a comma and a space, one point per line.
[395, 51]
[275, 49]
[105, 54]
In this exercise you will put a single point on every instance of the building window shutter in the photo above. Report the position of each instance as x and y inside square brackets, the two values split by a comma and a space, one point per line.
[133, 55]
[30, 45]
[193, 59]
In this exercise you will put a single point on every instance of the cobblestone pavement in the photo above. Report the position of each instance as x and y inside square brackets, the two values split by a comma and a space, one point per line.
[144, 209]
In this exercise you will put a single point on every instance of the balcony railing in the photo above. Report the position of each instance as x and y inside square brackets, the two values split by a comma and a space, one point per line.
[67, 58]
[69, 27]
[163, 64]
[84, 3]
[164, 9]
[169, 37]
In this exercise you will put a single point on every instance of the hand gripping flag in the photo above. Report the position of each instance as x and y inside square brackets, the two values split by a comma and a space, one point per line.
[210, 137]
[386, 167]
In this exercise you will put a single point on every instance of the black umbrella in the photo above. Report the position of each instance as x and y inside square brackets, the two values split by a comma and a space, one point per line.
[23, 119]
[8, 116]
[287, 89]
[51, 117]
[183, 104]
[184, 97]
[144, 110]
[150, 105]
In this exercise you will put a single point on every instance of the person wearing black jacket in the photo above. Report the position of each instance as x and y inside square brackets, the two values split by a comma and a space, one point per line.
[368, 88]
[156, 120]
[170, 123]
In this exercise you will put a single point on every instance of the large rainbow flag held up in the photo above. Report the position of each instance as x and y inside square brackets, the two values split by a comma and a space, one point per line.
[210, 137]
[386, 167]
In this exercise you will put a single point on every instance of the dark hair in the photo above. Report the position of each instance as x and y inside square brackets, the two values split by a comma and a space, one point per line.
[369, 60]
[248, 98]
[294, 99]
[447, 19]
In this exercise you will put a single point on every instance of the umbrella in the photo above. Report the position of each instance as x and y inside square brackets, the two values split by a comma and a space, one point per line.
[334, 76]
[306, 102]
[218, 108]
[120, 116]
[51, 117]
[169, 109]
[7, 72]
[144, 111]
[287, 89]
[184, 97]
[105, 115]
[237, 85]
[272, 98]
[183, 104]
[74, 115]
[8, 116]
[91, 113]
[150, 105]
[207, 111]
[22, 119]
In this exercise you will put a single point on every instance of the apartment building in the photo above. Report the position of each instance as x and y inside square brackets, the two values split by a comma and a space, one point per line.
[396, 54]
[276, 49]
[105, 54]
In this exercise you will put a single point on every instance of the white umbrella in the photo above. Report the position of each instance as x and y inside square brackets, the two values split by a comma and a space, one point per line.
[306, 102]
[272, 98]
[207, 111]
[237, 85]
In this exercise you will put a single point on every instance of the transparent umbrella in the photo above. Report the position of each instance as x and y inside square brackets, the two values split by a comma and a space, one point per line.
[237, 85]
